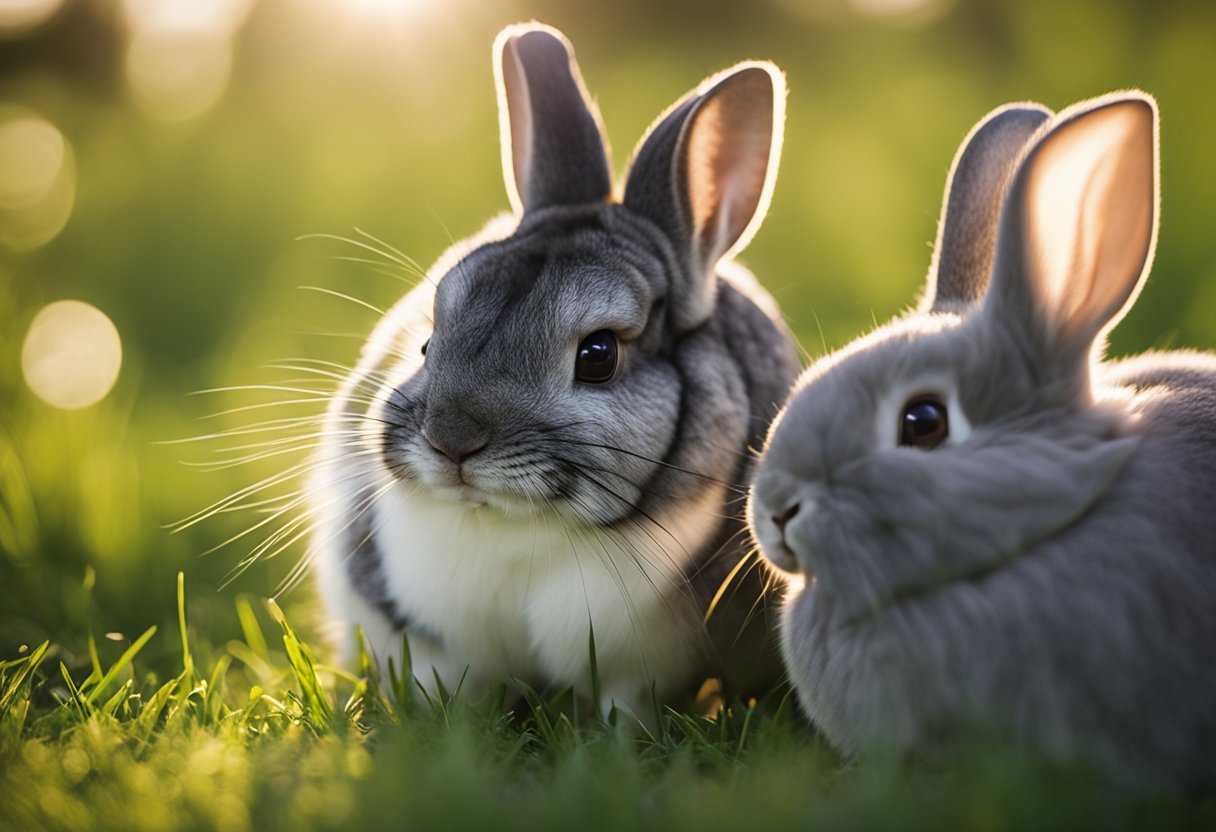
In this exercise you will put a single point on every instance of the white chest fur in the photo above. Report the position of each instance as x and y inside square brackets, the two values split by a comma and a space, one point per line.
[515, 596]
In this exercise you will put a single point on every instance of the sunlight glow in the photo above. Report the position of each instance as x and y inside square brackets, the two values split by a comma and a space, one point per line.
[387, 8]
[31, 159]
[37, 180]
[71, 355]
[178, 75]
[18, 16]
[898, 12]
[908, 11]
[223, 16]
[179, 57]
[377, 20]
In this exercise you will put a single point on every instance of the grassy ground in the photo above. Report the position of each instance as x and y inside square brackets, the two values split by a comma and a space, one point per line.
[181, 232]
[219, 716]
[255, 734]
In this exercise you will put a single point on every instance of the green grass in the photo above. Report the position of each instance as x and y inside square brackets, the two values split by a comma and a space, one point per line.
[148, 709]
[255, 736]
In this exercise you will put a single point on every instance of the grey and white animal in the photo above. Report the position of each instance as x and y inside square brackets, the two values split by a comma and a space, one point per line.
[548, 438]
[997, 527]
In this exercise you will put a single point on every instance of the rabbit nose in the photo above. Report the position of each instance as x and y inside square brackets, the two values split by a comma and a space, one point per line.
[456, 435]
[780, 519]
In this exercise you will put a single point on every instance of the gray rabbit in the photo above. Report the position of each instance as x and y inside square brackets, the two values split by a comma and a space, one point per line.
[548, 438]
[999, 529]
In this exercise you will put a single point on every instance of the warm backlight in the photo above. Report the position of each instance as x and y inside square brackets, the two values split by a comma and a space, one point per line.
[71, 355]
[37, 180]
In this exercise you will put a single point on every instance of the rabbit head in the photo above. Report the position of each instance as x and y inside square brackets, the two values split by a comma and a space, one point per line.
[947, 442]
[568, 363]
[582, 380]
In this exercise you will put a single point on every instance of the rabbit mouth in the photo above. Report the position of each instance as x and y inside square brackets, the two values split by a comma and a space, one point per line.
[780, 555]
[463, 493]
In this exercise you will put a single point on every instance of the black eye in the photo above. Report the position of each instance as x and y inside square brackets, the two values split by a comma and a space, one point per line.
[596, 358]
[425, 344]
[924, 423]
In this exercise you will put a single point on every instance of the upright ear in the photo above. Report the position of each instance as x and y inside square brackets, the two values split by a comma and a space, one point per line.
[705, 171]
[553, 148]
[1079, 225]
[966, 232]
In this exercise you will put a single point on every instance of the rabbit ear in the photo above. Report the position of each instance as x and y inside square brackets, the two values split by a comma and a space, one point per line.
[1079, 224]
[966, 232]
[705, 171]
[553, 149]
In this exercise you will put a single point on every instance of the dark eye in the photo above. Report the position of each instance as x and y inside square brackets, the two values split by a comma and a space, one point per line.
[924, 423]
[596, 360]
[425, 344]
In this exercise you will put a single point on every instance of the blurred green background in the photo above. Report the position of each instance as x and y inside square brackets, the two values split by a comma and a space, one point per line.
[158, 161]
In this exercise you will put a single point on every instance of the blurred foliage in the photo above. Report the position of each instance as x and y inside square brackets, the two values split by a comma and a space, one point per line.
[339, 114]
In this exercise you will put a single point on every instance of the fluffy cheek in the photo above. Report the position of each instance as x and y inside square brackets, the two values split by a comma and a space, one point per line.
[617, 442]
[395, 418]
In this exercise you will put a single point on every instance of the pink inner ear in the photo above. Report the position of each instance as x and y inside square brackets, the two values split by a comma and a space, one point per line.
[518, 118]
[728, 149]
[1089, 211]
[705, 148]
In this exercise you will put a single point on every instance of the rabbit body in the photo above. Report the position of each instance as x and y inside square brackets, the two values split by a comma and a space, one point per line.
[1073, 646]
[1000, 531]
[482, 498]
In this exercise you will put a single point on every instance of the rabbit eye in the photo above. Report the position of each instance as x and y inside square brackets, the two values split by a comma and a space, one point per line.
[924, 423]
[425, 344]
[596, 359]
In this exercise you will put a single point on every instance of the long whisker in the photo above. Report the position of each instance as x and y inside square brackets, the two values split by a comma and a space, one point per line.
[269, 482]
[659, 549]
[268, 426]
[396, 272]
[401, 257]
[351, 298]
[317, 397]
[398, 258]
[586, 466]
[298, 527]
[298, 572]
[732, 485]
[258, 456]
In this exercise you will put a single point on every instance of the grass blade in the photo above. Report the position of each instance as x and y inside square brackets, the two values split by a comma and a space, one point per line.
[125, 659]
[312, 692]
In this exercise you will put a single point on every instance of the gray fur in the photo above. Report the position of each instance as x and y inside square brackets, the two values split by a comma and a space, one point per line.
[705, 363]
[966, 237]
[1051, 576]
[705, 172]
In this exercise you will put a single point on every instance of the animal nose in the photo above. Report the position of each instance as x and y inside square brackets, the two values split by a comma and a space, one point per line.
[455, 434]
[781, 518]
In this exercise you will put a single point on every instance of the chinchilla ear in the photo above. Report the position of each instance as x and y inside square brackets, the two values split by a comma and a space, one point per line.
[1079, 226]
[553, 148]
[705, 171]
[966, 232]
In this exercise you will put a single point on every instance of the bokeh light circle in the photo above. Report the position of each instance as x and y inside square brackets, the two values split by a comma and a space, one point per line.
[221, 16]
[178, 75]
[19, 16]
[31, 157]
[179, 56]
[71, 355]
[37, 180]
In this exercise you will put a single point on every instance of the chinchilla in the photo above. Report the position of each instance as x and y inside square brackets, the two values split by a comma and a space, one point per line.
[545, 444]
[998, 529]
